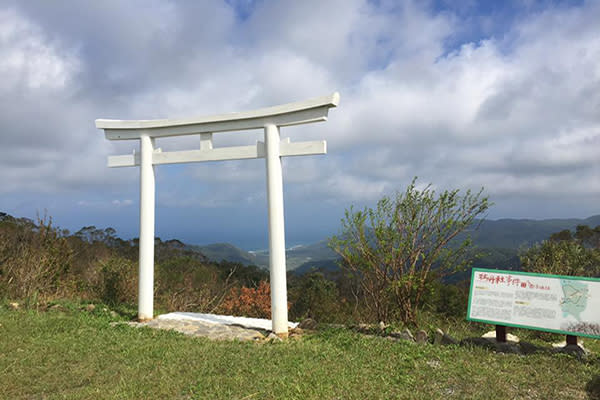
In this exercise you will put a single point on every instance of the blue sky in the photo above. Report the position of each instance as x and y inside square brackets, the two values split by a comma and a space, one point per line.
[462, 94]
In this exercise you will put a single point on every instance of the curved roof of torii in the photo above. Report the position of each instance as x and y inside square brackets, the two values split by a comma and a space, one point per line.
[302, 112]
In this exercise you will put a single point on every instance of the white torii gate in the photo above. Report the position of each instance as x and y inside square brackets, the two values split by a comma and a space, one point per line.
[272, 149]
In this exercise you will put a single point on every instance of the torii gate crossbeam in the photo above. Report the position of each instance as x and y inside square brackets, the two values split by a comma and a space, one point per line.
[272, 149]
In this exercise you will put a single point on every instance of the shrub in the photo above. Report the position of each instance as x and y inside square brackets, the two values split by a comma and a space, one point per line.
[186, 283]
[562, 257]
[249, 302]
[391, 251]
[316, 297]
[34, 258]
[118, 281]
[448, 300]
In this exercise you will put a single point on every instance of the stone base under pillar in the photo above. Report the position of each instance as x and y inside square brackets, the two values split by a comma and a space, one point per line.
[282, 335]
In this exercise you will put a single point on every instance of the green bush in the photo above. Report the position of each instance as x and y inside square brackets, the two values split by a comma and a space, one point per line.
[562, 257]
[316, 297]
[118, 281]
[394, 251]
[448, 300]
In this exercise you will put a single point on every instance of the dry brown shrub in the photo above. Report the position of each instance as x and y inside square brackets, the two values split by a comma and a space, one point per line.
[34, 259]
[188, 284]
[249, 302]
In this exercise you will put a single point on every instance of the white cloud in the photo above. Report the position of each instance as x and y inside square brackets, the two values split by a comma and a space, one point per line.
[516, 111]
[523, 115]
[28, 60]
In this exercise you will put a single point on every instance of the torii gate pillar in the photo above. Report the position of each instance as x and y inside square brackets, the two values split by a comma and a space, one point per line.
[273, 148]
[147, 199]
[279, 311]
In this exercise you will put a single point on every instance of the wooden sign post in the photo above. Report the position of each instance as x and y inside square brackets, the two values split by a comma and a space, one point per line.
[272, 149]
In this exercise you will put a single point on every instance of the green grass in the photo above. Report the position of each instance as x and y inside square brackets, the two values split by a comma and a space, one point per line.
[77, 355]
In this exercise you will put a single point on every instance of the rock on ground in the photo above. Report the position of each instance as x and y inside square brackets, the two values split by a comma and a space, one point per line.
[308, 323]
[203, 329]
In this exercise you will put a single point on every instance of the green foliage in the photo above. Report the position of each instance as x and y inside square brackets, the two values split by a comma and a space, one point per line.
[390, 250]
[566, 253]
[118, 282]
[249, 275]
[78, 355]
[587, 236]
[448, 300]
[316, 297]
[564, 257]
[565, 234]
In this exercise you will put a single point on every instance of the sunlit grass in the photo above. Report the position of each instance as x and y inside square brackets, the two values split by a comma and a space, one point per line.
[77, 355]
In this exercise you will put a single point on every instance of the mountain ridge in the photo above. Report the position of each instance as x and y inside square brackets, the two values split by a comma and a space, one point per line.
[505, 235]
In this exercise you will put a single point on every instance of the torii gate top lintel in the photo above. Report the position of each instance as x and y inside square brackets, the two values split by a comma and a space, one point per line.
[301, 112]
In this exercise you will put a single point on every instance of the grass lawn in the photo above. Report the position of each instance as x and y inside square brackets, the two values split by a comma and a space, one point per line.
[78, 355]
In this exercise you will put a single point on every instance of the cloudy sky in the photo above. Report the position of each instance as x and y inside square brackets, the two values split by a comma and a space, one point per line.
[462, 94]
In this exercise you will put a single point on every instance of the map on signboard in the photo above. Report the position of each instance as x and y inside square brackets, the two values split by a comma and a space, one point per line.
[575, 297]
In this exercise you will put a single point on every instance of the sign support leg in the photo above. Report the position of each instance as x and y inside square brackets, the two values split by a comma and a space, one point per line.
[571, 340]
[279, 311]
[147, 198]
[501, 333]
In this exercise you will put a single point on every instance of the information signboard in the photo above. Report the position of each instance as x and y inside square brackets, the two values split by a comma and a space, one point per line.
[561, 304]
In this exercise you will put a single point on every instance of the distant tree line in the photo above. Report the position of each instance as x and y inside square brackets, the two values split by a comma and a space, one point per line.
[566, 253]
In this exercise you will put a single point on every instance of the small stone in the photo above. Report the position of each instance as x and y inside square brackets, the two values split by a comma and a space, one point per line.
[422, 337]
[438, 336]
[13, 306]
[508, 347]
[114, 314]
[309, 324]
[155, 323]
[448, 340]
[382, 326]
[296, 331]
[406, 334]
[442, 338]
[529, 348]
[90, 307]
[274, 338]
[491, 344]
[479, 341]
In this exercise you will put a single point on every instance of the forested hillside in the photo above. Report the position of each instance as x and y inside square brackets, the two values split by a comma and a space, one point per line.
[498, 243]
